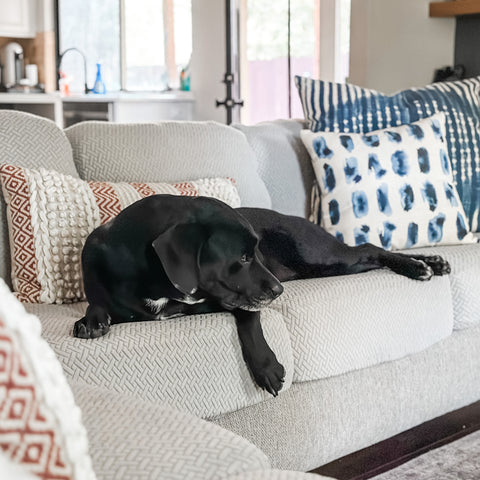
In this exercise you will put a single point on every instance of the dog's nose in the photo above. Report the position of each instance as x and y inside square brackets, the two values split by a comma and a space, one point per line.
[276, 289]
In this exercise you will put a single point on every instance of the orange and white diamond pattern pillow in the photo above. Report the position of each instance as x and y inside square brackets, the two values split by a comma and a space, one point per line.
[40, 424]
[50, 216]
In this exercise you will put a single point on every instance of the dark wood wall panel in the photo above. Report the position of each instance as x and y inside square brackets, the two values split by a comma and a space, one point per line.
[467, 44]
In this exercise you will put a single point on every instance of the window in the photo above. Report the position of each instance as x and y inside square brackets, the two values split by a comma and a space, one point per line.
[158, 42]
[142, 45]
[93, 27]
[281, 38]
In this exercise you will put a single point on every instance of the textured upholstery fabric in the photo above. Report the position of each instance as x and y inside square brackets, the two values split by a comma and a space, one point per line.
[167, 152]
[330, 418]
[339, 324]
[135, 440]
[464, 281]
[283, 164]
[14, 471]
[192, 363]
[277, 475]
[29, 141]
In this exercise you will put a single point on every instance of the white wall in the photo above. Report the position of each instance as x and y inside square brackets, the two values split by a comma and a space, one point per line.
[395, 45]
[208, 58]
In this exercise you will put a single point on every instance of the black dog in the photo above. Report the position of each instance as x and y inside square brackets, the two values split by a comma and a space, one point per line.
[166, 256]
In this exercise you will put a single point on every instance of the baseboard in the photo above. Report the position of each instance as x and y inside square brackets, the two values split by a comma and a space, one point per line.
[403, 447]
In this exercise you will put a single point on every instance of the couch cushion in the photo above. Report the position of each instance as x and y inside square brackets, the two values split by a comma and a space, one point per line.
[392, 188]
[345, 323]
[192, 363]
[283, 163]
[167, 152]
[464, 281]
[50, 216]
[131, 439]
[29, 141]
[349, 108]
[278, 475]
[346, 413]
[40, 424]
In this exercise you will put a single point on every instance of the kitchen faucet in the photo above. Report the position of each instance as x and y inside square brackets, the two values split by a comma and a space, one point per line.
[60, 57]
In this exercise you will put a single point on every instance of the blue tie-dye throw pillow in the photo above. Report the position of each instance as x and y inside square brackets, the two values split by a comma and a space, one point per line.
[392, 187]
[333, 107]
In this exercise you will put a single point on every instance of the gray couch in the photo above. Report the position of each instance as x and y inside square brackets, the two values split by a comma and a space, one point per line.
[366, 356]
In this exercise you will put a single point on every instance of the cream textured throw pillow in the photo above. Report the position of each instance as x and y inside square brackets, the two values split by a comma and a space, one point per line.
[40, 424]
[50, 216]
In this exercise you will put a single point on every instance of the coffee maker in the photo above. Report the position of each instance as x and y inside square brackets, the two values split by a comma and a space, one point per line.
[12, 59]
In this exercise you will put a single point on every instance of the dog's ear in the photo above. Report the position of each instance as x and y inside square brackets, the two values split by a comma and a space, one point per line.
[179, 249]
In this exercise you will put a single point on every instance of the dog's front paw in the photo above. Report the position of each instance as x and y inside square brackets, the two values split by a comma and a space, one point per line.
[268, 374]
[94, 324]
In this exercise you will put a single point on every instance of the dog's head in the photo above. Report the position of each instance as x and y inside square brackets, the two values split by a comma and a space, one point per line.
[214, 255]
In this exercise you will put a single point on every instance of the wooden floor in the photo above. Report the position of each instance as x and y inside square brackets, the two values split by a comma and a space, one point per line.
[401, 448]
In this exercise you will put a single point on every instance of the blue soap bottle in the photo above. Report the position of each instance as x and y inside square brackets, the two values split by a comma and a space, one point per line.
[99, 85]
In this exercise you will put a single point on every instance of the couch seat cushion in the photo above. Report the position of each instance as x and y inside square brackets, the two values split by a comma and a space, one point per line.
[131, 439]
[345, 323]
[464, 281]
[278, 475]
[191, 363]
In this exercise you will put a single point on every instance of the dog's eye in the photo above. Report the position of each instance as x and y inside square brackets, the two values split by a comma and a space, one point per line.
[245, 258]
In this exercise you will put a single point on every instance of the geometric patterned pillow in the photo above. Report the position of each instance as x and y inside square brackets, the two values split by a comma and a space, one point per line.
[40, 424]
[50, 215]
[392, 188]
[347, 108]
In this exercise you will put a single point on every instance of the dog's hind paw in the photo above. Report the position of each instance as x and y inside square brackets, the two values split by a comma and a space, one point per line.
[413, 267]
[94, 324]
[438, 264]
[424, 271]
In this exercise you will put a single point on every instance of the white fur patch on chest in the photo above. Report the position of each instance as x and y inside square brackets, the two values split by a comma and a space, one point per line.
[156, 306]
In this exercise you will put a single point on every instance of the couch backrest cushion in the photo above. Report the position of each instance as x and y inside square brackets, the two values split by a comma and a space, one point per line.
[29, 141]
[167, 152]
[283, 164]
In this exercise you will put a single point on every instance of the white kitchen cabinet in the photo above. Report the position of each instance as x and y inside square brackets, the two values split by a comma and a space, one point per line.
[18, 18]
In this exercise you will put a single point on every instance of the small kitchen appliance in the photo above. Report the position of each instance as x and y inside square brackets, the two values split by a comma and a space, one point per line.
[12, 60]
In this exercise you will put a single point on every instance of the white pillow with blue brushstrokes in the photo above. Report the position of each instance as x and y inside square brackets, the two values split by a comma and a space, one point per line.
[392, 188]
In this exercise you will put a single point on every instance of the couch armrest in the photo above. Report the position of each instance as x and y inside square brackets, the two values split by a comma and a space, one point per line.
[134, 439]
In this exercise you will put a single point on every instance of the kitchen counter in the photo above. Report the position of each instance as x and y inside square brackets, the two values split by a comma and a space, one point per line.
[119, 107]
[47, 105]
[169, 96]
[30, 98]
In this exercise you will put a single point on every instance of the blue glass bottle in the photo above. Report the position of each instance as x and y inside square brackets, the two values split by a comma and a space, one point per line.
[99, 85]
